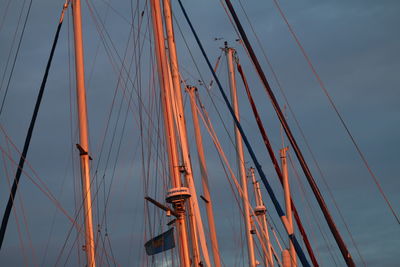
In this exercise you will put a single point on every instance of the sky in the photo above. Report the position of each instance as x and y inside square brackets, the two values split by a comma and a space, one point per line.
[353, 46]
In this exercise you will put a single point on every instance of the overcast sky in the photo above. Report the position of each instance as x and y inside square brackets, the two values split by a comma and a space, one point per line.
[353, 46]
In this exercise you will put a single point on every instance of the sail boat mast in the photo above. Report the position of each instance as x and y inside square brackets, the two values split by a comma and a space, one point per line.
[204, 177]
[288, 204]
[83, 145]
[328, 217]
[181, 123]
[178, 204]
[260, 211]
[240, 157]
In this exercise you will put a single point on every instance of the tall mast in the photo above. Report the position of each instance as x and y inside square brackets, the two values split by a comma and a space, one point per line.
[194, 238]
[314, 187]
[83, 133]
[240, 157]
[181, 123]
[288, 204]
[204, 177]
[260, 211]
[178, 203]
[276, 165]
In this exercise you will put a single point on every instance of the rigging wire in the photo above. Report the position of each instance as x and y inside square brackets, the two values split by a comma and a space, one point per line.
[12, 70]
[31, 125]
[328, 244]
[208, 90]
[203, 83]
[53, 220]
[207, 87]
[332, 226]
[95, 195]
[39, 183]
[225, 165]
[277, 206]
[300, 129]
[21, 242]
[107, 124]
[108, 50]
[12, 46]
[129, 101]
[224, 162]
[338, 114]
[306, 199]
[78, 213]
[200, 109]
[275, 163]
[105, 199]
[73, 136]
[131, 82]
[207, 122]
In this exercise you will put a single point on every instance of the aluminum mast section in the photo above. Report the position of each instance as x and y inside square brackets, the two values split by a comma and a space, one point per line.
[288, 204]
[328, 217]
[260, 211]
[274, 200]
[181, 123]
[204, 176]
[162, 65]
[240, 157]
[83, 133]
[276, 165]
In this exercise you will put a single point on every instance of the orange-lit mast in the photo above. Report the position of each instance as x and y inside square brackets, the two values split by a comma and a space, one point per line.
[83, 133]
[177, 195]
[240, 158]
[204, 177]
[288, 204]
[197, 229]
[260, 211]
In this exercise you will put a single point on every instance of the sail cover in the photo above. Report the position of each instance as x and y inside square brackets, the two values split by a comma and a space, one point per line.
[160, 243]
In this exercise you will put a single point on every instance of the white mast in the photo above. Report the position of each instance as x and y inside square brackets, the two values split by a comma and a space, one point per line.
[186, 163]
[204, 177]
[240, 156]
[260, 211]
[288, 204]
[176, 195]
[83, 133]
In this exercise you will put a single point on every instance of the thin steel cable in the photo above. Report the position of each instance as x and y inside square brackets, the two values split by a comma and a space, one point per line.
[275, 162]
[31, 124]
[43, 188]
[330, 99]
[224, 162]
[92, 179]
[15, 59]
[129, 101]
[301, 131]
[328, 244]
[21, 242]
[277, 206]
[12, 46]
[329, 219]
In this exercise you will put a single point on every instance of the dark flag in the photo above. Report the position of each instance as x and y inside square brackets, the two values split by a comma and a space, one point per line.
[160, 243]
